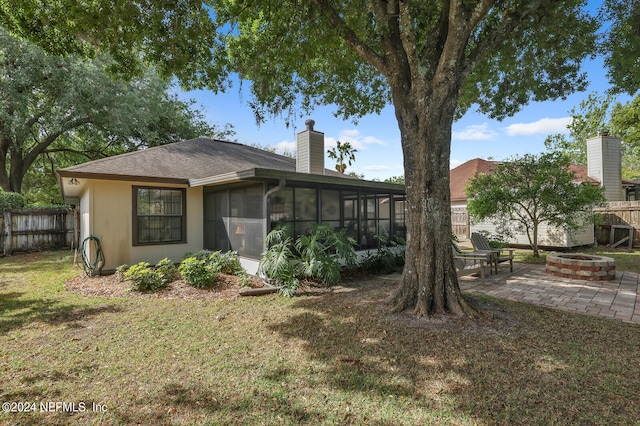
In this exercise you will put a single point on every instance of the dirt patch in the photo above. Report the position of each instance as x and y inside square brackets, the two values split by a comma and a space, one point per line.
[226, 287]
[366, 290]
[377, 290]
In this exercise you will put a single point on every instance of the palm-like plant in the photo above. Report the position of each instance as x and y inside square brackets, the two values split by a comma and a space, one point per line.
[344, 154]
[275, 261]
[319, 254]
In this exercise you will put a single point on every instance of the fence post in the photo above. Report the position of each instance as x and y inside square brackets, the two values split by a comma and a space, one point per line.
[8, 238]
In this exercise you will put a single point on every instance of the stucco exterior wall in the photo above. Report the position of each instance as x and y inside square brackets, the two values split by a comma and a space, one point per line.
[549, 236]
[106, 212]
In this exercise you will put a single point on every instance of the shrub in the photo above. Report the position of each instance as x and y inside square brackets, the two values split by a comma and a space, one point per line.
[226, 263]
[200, 254]
[11, 200]
[197, 273]
[244, 279]
[389, 257]
[120, 272]
[144, 278]
[167, 270]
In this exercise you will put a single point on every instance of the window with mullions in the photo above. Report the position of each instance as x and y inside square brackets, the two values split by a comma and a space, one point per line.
[296, 207]
[159, 215]
[375, 214]
[399, 217]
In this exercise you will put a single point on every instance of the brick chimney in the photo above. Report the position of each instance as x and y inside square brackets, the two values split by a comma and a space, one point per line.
[604, 160]
[310, 150]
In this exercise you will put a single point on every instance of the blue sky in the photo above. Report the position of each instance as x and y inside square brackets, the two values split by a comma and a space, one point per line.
[377, 137]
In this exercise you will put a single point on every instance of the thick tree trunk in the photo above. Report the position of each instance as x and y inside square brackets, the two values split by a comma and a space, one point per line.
[4, 174]
[429, 282]
[17, 172]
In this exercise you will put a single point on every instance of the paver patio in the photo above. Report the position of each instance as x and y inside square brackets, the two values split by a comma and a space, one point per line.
[617, 299]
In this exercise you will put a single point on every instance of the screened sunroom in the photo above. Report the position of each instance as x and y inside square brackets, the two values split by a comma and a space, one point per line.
[241, 208]
[239, 218]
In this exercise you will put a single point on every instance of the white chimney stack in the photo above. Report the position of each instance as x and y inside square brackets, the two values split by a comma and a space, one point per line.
[310, 150]
[604, 163]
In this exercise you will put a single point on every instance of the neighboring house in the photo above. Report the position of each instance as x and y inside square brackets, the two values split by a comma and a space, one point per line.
[460, 175]
[210, 194]
[603, 168]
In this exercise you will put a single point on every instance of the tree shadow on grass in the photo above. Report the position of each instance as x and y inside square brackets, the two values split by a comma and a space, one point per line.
[17, 311]
[182, 403]
[526, 364]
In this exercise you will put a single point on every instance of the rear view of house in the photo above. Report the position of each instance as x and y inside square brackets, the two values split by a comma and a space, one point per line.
[210, 194]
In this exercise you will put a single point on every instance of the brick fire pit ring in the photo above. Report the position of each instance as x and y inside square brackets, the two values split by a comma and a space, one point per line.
[581, 266]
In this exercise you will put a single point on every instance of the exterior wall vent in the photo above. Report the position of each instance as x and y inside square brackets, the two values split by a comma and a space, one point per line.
[310, 150]
[604, 164]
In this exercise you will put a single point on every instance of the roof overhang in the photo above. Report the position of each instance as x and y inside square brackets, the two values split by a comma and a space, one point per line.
[72, 183]
[103, 176]
[275, 175]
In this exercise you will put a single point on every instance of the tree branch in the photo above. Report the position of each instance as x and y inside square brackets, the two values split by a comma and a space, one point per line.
[72, 151]
[350, 37]
[489, 42]
[42, 146]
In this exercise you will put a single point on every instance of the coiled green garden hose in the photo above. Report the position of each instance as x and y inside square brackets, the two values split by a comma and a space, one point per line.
[98, 263]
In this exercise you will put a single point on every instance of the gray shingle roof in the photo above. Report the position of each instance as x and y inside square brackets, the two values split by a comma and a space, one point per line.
[190, 159]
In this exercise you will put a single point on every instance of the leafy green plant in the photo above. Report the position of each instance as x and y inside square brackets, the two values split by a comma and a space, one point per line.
[200, 254]
[226, 263]
[276, 262]
[144, 278]
[323, 251]
[197, 273]
[318, 255]
[389, 257]
[168, 270]
[244, 279]
[11, 200]
[120, 272]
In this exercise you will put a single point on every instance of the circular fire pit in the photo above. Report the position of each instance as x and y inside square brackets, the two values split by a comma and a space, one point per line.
[581, 266]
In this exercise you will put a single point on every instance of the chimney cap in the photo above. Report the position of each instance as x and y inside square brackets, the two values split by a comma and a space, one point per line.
[309, 123]
[603, 133]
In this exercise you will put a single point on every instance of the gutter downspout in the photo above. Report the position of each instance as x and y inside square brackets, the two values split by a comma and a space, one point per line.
[282, 183]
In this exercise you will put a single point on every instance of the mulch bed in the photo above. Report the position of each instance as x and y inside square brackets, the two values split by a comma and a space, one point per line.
[226, 287]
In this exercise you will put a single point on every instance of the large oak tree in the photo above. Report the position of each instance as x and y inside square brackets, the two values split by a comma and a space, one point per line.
[432, 59]
[59, 111]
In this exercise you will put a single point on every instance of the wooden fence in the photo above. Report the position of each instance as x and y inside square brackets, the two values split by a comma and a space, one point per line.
[460, 222]
[618, 218]
[39, 229]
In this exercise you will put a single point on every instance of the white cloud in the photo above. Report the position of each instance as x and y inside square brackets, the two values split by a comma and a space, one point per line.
[543, 126]
[453, 163]
[375, 168]
[285, 146]
[353, 136]
[476, 132]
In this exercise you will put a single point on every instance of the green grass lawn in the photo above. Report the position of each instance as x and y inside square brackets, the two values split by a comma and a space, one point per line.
[326, 358]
